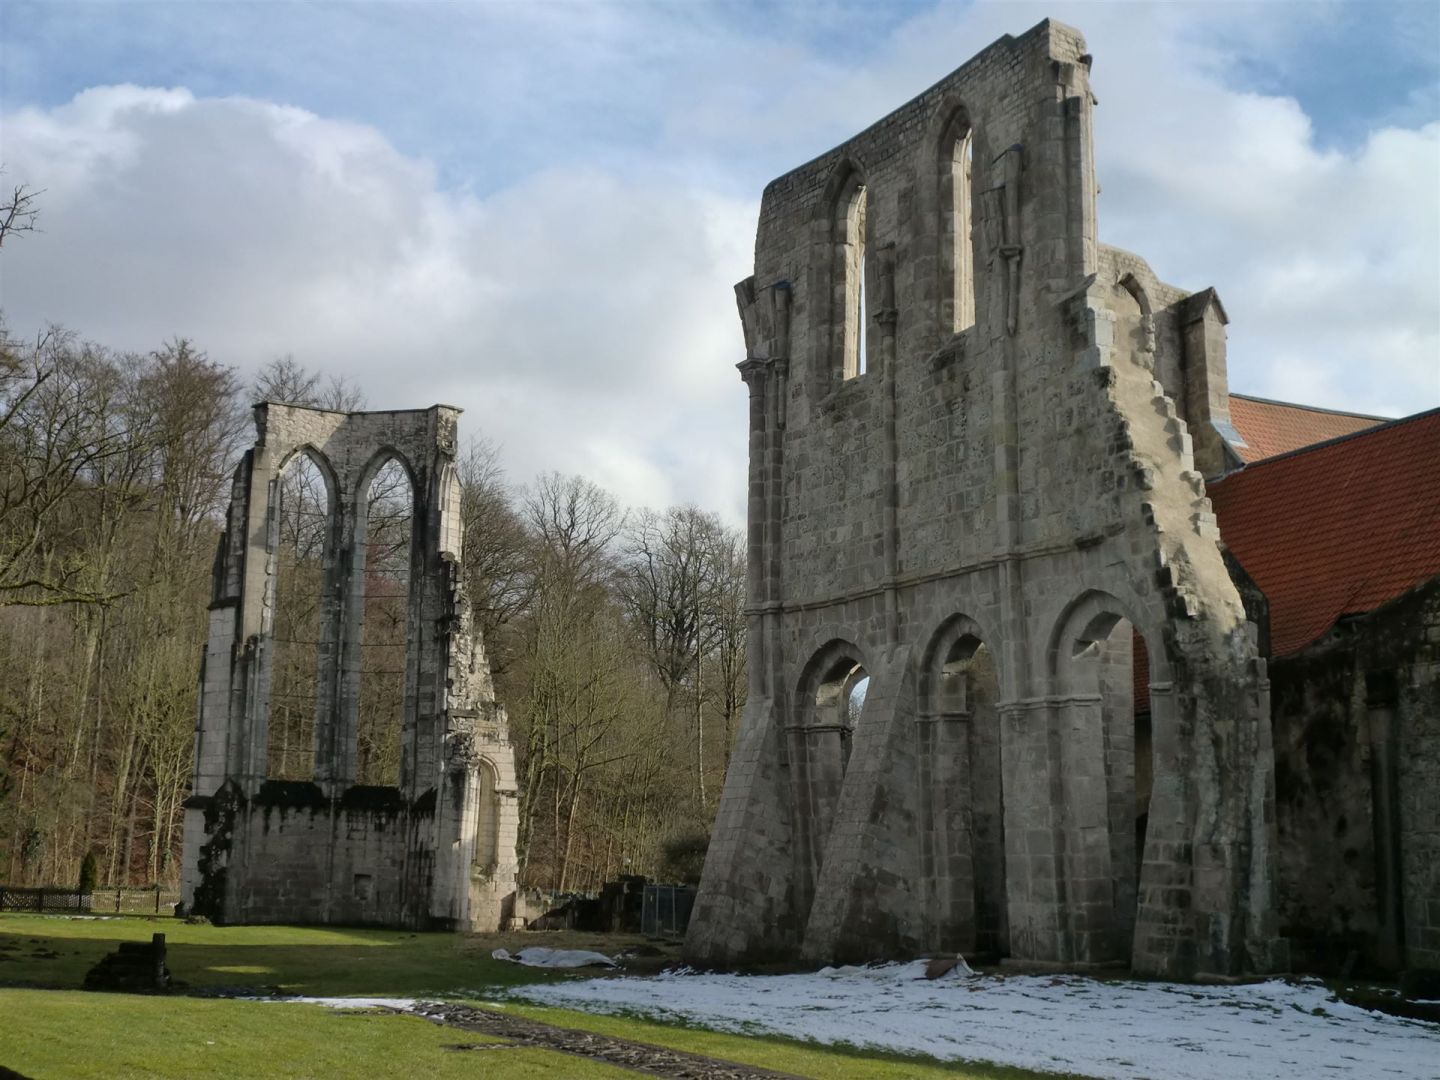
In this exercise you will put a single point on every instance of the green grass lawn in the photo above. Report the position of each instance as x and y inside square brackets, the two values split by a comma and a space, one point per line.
[775, 1052]
[53, 952]
[49, 1029]
[69, 1034]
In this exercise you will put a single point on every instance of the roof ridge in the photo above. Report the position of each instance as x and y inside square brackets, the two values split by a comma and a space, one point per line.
[1393, 422]
[1315, 408]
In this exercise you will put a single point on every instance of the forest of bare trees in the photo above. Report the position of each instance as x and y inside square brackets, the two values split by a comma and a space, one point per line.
[615, 636]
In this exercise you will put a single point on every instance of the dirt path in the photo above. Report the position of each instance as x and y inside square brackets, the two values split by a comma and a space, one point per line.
[639, 1057]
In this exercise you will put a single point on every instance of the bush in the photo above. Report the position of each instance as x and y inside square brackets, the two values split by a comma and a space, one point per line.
[89, 873]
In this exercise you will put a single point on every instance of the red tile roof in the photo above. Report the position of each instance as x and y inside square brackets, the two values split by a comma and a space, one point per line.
[1338, 528]
[1277, 427]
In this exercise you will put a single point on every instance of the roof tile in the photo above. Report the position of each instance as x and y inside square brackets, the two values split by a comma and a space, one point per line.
[1277, 427]
[1338, 528]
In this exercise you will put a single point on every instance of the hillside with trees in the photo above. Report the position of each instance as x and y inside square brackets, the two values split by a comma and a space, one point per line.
[615, 635]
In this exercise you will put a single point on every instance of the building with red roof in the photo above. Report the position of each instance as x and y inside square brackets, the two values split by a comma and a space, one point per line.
[1337, 529]
[1266, 429]
[1335, 544]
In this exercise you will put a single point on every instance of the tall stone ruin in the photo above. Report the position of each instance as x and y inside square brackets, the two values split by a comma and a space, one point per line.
[977, 520]
[436, 850]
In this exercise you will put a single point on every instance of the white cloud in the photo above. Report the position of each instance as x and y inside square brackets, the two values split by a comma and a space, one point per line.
[574, 317]
[1326, 259]
[582, 313]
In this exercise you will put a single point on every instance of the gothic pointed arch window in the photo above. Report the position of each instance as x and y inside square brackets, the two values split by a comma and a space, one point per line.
[957, 269]
[850, 233]
[383, 564]
[301, 540]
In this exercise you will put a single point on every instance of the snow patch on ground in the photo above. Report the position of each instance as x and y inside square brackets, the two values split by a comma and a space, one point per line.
[401, 1004]
[539, 956]
[1118, 1030]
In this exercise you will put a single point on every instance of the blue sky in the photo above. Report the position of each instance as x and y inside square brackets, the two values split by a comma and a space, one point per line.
[537, 210]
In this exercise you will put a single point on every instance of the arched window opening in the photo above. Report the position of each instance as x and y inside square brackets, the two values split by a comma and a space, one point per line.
[385, 636]
[852, 229]
[957, 289]
[302, 523]
[857, 700]
[832, 701]
[487, 832]
[839, 702]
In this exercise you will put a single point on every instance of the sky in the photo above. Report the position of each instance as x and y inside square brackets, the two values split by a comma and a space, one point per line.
[537, 210]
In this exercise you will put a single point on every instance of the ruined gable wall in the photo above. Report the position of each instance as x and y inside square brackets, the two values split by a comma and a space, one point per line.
[835, 480]
[437, 850]
[1029, 473]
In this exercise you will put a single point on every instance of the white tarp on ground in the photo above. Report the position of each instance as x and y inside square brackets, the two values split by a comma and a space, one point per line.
[539, 956]
[1066, 1023]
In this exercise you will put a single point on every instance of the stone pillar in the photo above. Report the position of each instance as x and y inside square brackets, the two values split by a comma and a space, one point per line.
[1032, 879]
[1163, 941]
[1207, 385]
[336, 714]
[1088, 890]
[1380, 701]
[755, 372]
[886, 317]
[951, 824]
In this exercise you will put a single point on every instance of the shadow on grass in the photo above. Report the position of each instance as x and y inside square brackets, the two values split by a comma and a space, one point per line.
[262, 960]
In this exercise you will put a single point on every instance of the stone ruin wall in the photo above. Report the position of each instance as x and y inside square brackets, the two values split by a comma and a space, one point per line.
[1013, 495]
[1357, 764]
[439, 849]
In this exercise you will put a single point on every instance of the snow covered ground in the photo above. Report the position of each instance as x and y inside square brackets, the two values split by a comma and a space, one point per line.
[539, 956]
[1064, 1023]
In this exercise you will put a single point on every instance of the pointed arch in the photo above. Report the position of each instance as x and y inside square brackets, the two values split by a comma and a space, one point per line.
[845, 231]
[301, 541]
[954, 158]
[819, 738]
[1093, 650]
[380, 620]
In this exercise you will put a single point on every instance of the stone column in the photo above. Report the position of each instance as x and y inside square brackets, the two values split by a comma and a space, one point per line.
[1164, 930]
[337, 709]
[755, 373]
[1031, 784]
[1380, 701]
[1088, 891]
[951, 821]
[886, 317]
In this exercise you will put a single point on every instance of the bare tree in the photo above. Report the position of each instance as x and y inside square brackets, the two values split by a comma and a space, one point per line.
[60, 430]
[678, 569]
[573, 700]
[498, 556]
[286, 380]
[19, 211]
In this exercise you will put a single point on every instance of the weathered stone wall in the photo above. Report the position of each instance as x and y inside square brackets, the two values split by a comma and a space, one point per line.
[1357, 764]
[439, 849]
[310, 860]
[1029, 474]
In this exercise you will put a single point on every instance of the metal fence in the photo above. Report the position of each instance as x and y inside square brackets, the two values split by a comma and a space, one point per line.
[129, 900]
[665, 910]
[63, 900]
[122, 900]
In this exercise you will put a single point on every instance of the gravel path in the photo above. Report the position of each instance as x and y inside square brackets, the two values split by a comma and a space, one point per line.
[638, 1057]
